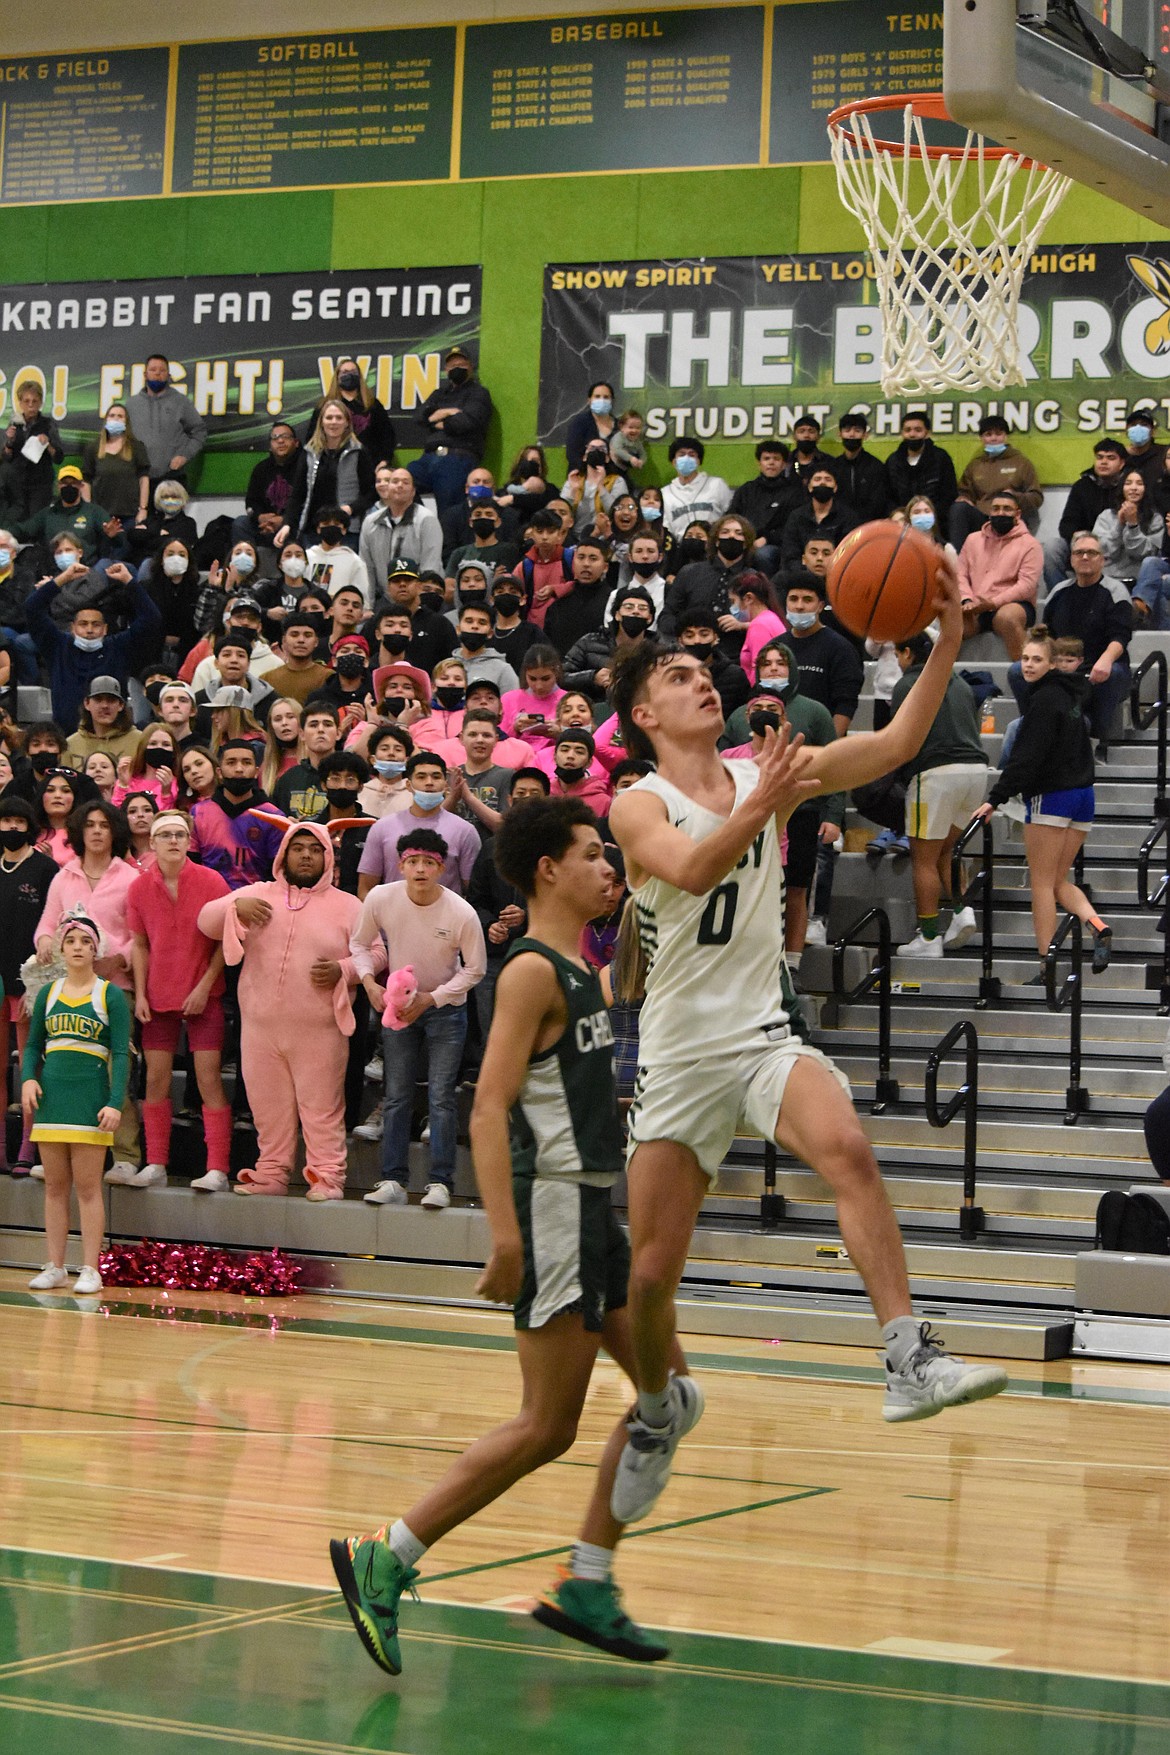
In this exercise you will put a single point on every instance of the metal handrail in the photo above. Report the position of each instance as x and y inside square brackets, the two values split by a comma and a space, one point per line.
[1143, 714]
[990, 986]
[966, 1098]
[1071, 999]
[886, 1088]
[1157, 975]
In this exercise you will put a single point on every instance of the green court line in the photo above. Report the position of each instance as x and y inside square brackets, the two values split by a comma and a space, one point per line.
[740, 1364]
[656, 1529]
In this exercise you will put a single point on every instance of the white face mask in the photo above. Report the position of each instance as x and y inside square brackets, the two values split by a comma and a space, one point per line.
[293, 567]
[174, 566]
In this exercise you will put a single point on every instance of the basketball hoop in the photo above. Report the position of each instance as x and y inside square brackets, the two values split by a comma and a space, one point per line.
[951, 230]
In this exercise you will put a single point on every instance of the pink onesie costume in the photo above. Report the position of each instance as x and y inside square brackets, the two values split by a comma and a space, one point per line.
[293, 1036]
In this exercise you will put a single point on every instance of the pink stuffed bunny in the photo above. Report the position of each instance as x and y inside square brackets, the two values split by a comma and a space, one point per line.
[401, 988]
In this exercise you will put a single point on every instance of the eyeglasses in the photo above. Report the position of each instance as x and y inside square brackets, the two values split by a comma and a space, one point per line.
[170, 835]
[1087, 553]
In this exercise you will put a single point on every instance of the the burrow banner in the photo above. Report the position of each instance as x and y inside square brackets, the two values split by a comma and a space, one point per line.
[737, 347]
[246, 348]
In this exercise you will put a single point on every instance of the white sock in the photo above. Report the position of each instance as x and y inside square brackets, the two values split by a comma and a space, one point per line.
[405, 1546]
[590, 1561]
[901, 1337]
[654, 1405]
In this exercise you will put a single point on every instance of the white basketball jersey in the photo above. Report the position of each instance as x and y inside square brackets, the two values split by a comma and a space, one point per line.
[714, 981]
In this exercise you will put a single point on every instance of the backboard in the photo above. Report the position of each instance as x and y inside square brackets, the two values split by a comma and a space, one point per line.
[1085, 89]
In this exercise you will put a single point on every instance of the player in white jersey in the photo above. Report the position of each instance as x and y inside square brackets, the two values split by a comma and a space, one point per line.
[701, 844]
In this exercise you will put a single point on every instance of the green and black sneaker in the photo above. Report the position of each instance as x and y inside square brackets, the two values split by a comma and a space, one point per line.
[591, 1610]
[372, 1580]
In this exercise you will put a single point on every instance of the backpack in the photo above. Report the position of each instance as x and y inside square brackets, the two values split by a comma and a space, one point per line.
[1134, 1224]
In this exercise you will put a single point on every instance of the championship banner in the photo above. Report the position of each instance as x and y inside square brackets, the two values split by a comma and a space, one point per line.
[739, 347]
[247, 348]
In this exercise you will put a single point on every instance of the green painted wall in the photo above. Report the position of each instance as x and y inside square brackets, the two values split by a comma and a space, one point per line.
[512, 227]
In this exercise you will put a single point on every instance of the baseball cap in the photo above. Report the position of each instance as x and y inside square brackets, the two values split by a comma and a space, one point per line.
[69, 472]
[403, 569]
[230, 697]
[106, 685]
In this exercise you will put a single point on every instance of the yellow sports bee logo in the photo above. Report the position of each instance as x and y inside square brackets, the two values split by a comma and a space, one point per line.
[1155, 277]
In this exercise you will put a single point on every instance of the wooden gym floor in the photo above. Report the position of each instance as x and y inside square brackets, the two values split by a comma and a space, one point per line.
[173, 1465]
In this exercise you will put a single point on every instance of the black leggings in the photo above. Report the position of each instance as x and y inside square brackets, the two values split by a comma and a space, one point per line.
[1157, 1126]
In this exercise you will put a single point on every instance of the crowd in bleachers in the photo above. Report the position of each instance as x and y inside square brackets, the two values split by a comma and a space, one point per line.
[417, 646]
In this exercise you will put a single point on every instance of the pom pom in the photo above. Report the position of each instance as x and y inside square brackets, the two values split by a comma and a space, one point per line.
[197, 1267]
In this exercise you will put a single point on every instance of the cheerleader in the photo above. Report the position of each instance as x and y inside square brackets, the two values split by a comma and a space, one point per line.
[79, 1042]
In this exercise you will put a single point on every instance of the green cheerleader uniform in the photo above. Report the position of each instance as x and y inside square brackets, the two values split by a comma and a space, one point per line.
[83, 1049]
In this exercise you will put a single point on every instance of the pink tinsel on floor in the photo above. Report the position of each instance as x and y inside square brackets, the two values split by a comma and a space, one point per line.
[199, 1267]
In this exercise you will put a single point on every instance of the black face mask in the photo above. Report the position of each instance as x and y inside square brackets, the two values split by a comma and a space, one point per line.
[395, 644]
[331, 533]
[350, 664]
[458, 374]
[596, 459]
[632, 625]
[691, 548]
[12, 840]
[822, 493]
[644, 569]
[696, 649]
[567, 776]
[431, 601]
[730, 547]
[394, 705]
[69, 493]
[43, 761]
[473, 641]
[472, 596]
[1001, 523]
[914, 444]
[348, 380]
[760, 721]
[507, 603]
[806, 447]
[342, 798]
[450, 699]
[852, 444]
[155, 757]
[483, 527]
[238, 787]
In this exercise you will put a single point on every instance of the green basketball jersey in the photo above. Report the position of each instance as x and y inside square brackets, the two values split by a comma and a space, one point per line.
[565, 1121]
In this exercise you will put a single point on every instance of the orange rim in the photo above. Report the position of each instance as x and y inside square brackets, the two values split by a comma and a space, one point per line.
[930, 106]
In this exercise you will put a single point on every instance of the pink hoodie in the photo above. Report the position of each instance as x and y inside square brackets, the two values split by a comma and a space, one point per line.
[105, 904]
[305, 925]
[994, 570]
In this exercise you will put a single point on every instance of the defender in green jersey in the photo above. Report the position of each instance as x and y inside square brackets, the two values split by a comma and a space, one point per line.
[548, 1146]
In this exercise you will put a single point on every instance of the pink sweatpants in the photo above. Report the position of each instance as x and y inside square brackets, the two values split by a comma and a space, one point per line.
[292, 1068]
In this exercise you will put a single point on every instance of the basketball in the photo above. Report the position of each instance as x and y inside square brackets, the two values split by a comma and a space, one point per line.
[883, 580]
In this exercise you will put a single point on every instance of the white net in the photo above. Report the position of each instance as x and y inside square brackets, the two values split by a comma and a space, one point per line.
[951, 236]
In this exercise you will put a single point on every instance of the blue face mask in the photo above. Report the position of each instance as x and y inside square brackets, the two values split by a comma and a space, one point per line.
[243, 562]
[114, 427]
[1138, 435]
[686, 464]
[652, 513]
[428, 800]
[600, 405]
[84, 645]
[775, 685]
[741, 615]
[922, 520]
[992, 450]
[5, 559]
[479, 492]
[65, 557]
[157, 385]
[390, 770]
[800, 619]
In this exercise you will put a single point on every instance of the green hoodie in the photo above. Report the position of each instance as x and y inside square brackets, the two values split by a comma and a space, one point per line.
[805, 716]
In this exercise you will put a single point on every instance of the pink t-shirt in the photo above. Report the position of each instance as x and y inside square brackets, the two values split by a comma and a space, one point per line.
[766, 627]
[518, 701]
[442, 942]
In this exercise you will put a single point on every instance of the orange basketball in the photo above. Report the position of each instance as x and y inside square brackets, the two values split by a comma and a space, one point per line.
[883, 580]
